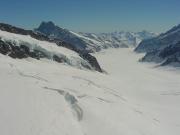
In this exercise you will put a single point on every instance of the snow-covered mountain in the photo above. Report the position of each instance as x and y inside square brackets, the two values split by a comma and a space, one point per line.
[168, 56]
[20, 43]
[164, 49]
[160, 42]
[92, 42]
[53, 31]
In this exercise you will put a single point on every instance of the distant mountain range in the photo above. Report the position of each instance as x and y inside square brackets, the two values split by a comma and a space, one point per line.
[92, 42]
[163, 49]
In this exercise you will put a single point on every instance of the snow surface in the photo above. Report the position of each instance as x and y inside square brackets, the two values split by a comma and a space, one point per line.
[47, 98]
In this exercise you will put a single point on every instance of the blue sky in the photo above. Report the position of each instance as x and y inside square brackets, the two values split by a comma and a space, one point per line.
[93, 15]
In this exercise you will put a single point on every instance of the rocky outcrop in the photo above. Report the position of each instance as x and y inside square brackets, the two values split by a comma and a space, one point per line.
[92, 60]
[22, 51]
[13, 51]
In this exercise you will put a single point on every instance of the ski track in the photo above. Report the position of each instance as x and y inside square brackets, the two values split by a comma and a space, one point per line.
[73, 102]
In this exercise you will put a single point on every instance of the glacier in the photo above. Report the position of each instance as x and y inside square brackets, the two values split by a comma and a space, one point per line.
[48, 98]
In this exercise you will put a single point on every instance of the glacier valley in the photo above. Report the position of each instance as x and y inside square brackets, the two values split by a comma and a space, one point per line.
[42, 97]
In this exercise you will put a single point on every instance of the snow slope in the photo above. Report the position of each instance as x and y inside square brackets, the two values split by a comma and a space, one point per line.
[49, 49]
[47, 98]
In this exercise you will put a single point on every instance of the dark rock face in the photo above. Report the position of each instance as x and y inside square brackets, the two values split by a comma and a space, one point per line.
[92, 60]
[7, 48]
[57, 59]
[170, 50]
[152, 57]
[23, 51]
[46, 28]
[4, 47]
[19, 52]
[171, 54]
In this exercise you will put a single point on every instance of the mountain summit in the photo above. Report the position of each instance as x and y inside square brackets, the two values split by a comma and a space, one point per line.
[53, 31]
[47, 27]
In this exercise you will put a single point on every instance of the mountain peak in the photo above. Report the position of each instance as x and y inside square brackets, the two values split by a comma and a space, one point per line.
[49, 23]
[46, 27]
